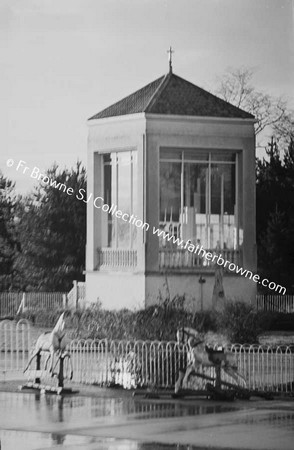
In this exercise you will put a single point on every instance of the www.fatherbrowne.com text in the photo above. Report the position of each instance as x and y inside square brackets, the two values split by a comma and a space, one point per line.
[217, 258]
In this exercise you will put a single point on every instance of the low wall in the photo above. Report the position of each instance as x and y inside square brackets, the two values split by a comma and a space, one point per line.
[235, 287]
[116, 290]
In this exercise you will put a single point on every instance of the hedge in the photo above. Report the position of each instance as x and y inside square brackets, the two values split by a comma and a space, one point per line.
[238, 321]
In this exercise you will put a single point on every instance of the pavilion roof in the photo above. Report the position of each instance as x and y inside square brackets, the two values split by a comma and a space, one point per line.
[172, 95]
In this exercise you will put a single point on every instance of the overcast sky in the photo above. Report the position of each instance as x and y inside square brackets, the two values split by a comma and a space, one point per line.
[64, 60]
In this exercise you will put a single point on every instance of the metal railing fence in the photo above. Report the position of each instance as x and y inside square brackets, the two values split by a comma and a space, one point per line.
[278, 303]
[147, 363]
[15, 344]
[141, 363]
[266, 367]
[127, 363]
[13, 302]
[9, 303]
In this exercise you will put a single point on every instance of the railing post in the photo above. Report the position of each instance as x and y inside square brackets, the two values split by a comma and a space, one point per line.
[38, 367]
[60, 372]
[22, 304]
[64, 301]
[76, 297]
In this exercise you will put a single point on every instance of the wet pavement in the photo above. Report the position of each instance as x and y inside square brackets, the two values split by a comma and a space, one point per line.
[112, 419]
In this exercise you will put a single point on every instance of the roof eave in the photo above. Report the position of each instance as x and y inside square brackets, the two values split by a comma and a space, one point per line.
[171, 117]
[180, 117]
[125, 117]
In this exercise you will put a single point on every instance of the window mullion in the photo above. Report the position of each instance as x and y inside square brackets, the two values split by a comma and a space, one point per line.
[222, 211]
[132, 198]
[209, 201]
[182, 196]
[116, 199]
[237, 199]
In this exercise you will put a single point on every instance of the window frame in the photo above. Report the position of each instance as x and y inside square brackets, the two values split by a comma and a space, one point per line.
[212, 159]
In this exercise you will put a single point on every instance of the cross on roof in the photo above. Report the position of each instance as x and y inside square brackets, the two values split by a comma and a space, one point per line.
[170, 51]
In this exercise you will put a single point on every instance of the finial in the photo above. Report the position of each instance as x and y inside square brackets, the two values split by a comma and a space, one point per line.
[170, 51]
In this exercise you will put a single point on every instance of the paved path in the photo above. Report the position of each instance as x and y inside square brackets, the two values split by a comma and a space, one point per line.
[107, 419]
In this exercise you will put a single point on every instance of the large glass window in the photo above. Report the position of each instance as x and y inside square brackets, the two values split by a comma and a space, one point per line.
[198, 200]
[120, 190]
[124, 202]
[109, 167]
[195, 202]
[170, 191]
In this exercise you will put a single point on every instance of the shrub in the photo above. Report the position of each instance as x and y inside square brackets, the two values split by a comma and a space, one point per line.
[160, 323]
[41, 317]
[96, 323]
[205, 321]
[239, 321]
[275, 321]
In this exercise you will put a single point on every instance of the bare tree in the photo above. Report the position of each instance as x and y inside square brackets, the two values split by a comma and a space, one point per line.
[236, 87]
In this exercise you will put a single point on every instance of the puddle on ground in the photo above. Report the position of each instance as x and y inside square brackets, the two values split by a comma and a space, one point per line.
[33, 410]
[21, 413]
[25, 440]
[30, 409]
